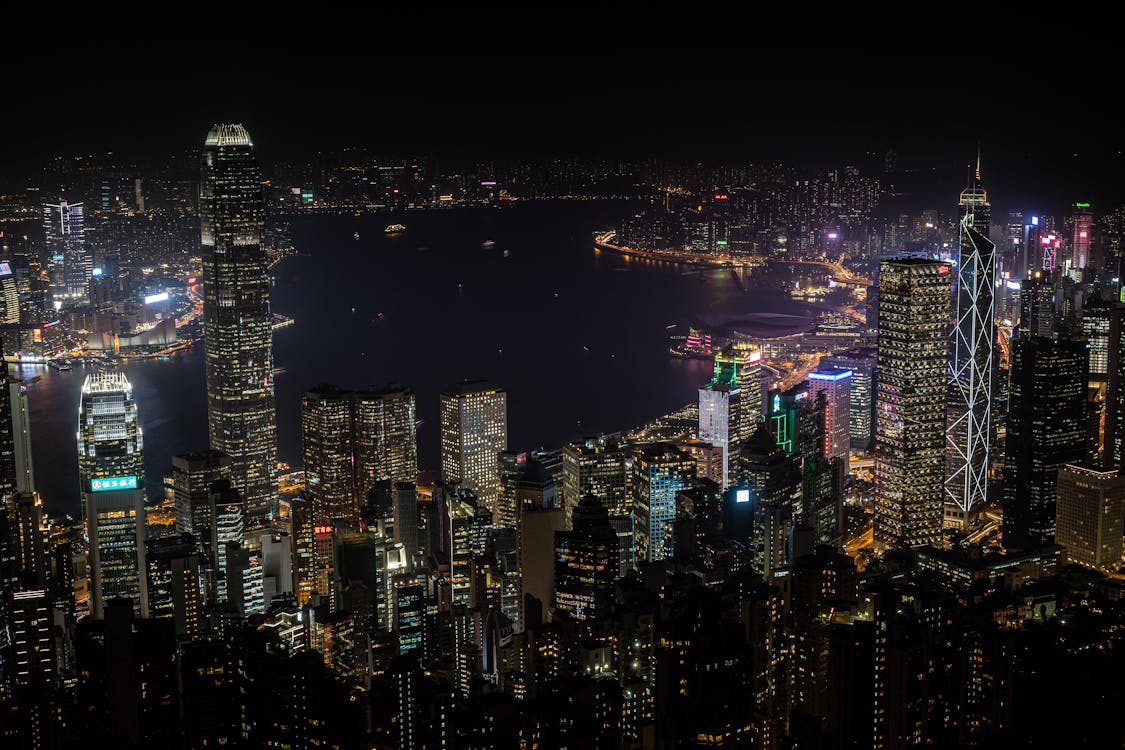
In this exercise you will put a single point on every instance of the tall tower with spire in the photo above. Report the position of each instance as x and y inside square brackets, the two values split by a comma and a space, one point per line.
[971, 359]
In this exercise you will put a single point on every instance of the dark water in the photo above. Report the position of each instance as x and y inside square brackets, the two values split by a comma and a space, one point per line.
[578, 338]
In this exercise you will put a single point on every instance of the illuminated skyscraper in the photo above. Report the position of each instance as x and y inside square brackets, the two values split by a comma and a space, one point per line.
[914, 300]
[970, 376]
[326, 431]
[586, 562]
[715, 405]
[1037, 306]
[1046, 431]
[1095, 326]
[598, 466]
[354, 440]
[861, 362]
[193, 474]
[68, 262]
[660, 471]
[110, 443]
[9, 295]
[474, 429]
[111, 473]
[386, 447]
[740, 367]
[237, 326]
[21, 436]
[1082, 220]
[837, 388]
[1091, 516]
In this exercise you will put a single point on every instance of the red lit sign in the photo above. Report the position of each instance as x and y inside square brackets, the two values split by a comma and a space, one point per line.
[318, 530]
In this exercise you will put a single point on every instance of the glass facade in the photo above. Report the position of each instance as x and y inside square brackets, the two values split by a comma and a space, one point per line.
[237, 326]
[914, 306]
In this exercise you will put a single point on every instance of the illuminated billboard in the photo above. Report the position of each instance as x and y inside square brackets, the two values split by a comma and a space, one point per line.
[161, 297]
[108, 484]
[742, 496]
[5, 269]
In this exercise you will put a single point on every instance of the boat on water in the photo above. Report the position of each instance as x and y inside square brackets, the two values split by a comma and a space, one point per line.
[487, 245]
[394, 229]
[65, 366]
[355, 236]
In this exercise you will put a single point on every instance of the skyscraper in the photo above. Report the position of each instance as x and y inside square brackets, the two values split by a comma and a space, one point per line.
[716, 402]
[739, 366]
[111, 473]
[1082, 220]
[192, 477]
[660, 471]
[586, 562]
[237, 326]
[970, 376]
[861, 362]
[474, 429]
[1091, 516]
[836, 385]
[69, 263]
[1113, 456]
[110, 443]
[600, 466]
[21, 437]
[327, 435]
[1037, 305]
[354, 440]
[1046, 431]
[386, 444]
[914, 299]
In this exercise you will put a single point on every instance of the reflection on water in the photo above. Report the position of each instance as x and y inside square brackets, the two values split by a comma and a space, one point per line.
[579, 345]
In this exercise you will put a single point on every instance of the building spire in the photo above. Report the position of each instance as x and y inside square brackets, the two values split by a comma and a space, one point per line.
[978, 165]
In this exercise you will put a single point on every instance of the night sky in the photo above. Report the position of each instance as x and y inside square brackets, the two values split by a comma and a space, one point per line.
[1045, 126]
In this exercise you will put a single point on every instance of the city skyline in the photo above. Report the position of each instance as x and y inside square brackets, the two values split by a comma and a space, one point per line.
[799, 376]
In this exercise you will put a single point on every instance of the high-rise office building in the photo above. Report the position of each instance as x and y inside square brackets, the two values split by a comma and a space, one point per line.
[1091, 516]
[116, 528]
[69, 263]
[836, 385]
[539, 515]
[1037, 306]
[228, 531]
[237, 325]
[861, 362]
[914, 301]
[193, 474]
[21, 437]
[9, 295]
[474, 429]
[1082, 223]
[716, 401]
[173, 582]
[739, 366]
[587, 561]
[386, 446]
[328, 438]
[599, 466]
[1046, 431]
[1095, 327]
[111, 473]
[32, 638]
[1113, 456]
[110, 442]
[353, 441]
[971, 359]
[660, 471]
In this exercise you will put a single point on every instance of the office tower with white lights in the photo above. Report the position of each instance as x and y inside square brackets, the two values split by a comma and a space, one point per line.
[836, 385]
[237, 325]
[69, 264]
[474, 430]
[914, 306]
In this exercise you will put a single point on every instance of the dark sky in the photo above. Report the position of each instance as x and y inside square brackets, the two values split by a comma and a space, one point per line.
[1045, 125]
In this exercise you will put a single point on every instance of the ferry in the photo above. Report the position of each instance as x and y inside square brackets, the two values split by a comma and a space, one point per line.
[355, 236]
[487, 245]
[394, 229]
